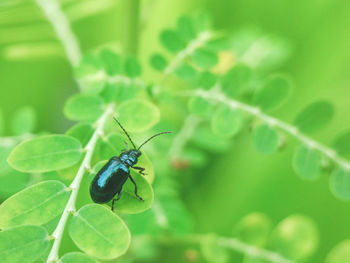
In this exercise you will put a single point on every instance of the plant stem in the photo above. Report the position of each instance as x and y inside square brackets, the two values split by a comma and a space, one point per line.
[287, 128]
[85, 165]
[130, 24]
[182, 137]
[61, 25]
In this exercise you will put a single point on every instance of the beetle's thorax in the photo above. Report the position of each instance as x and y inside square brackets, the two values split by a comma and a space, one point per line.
[129, 158]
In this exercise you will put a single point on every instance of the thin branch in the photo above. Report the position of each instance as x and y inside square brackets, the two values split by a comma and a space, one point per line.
[85, 165]
[287, 128]
[61, 25]
[190, 48]
[238, 245]
[182, 137]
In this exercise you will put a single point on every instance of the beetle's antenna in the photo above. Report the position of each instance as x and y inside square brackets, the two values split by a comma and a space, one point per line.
[125, 132]
[151, 139]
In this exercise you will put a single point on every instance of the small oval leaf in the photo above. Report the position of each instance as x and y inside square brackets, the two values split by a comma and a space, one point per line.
[77, 257]
[307, 163]
[273, 93]
[200, 106]
[340, 184]
[83, 107]
[82, 132]
[342, 144]
[236, 80]
[99, 232]
[296, 237]
[185, 71]
[23, 244]
[172, 41]
[36, 205]
[265, 139]
[340, 253]
[45, 153]
[112, 62]
[158, 62]
[314, 116]
[185, 28]
[226, 122]
[132, 67]
[138, 115]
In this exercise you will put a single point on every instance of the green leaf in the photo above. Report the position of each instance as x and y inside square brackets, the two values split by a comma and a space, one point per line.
[23, 121]
[307, 163]
[342, 144]
[119, 92]
[340, 253]
[185, 28]
[254, 229]
[204, 58]
[138, 115]
[172, 41]
[99, 232]
[23, 244]
[83, 107]
[11, 181]
[35, 205]
[227, 122]
[340, 184]
[45, 153]
[273, 93]
[314, 116]
[236, 80]
[111, 61]
[185, 71]
[112, 146]
[206, 80]
[206, 139]
[77, 257]
[158, 62]
[82, 132]
[296, 237]
[265, 139]
[200, 106]
[132, 67]
[88, 65]
[212, 251]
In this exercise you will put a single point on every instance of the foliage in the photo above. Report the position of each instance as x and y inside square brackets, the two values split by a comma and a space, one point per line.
[216, 101]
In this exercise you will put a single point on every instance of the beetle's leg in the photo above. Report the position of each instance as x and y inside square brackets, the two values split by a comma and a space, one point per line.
[141, 169]
[132, 180]
[116, 199]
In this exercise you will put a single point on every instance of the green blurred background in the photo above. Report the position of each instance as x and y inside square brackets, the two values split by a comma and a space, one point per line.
[240, 181]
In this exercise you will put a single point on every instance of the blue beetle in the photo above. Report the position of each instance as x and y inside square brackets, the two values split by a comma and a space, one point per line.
[110, 179]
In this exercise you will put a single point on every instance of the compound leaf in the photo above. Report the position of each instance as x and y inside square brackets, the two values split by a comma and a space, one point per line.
[99, 232]
[23, 244]
[36, 205]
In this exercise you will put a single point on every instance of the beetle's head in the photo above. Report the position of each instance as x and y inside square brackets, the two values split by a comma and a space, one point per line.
[130, 157]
